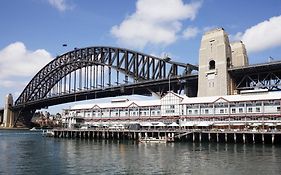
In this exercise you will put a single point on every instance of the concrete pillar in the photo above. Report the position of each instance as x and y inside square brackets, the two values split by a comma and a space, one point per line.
[254, 138]
[200, 137]
[214, 60]
[139, 134]
[218, 137]
[209, 137]
[8, 116]
[234, 137]
[225, 137]
[272, 138]
[193, 137]
[244, 138]
[103, 135]
[262, 138]
[145, 135]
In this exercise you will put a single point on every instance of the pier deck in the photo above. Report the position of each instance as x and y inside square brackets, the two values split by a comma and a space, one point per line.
[196, 135]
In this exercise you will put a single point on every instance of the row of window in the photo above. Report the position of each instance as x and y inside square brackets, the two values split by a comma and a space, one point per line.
[233, 110]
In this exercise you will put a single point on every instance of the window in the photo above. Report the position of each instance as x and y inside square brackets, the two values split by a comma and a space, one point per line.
[250, 109]
[172, 106]
[212, 65]
[196, 111]
[240, 110]
[206, 111]
[228, 62]
[258, 109]
[233, 110]
[189, 111]
[278, 108]
[221, 111]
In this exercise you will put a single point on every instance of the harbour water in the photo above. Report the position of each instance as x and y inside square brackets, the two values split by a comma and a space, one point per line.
[25, 152]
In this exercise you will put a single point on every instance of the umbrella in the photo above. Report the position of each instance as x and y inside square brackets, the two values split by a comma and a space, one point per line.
[174, 124]
[146, 124]
[160, 124]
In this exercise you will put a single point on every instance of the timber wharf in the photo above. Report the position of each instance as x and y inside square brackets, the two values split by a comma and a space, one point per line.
[196, 135]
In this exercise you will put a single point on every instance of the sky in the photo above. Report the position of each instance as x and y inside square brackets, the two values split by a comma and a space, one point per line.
[32, 32]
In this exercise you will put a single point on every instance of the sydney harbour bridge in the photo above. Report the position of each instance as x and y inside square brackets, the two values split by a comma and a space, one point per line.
[97, 72]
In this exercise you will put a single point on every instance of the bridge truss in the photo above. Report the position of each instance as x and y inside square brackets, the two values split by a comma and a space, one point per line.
[96, 72]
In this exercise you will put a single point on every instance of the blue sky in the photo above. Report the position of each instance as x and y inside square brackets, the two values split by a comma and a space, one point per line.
[32, 31]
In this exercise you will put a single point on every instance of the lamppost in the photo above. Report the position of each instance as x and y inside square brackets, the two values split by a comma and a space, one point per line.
[170, 82]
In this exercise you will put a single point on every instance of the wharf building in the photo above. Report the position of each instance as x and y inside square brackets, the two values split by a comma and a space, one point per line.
[218, 104]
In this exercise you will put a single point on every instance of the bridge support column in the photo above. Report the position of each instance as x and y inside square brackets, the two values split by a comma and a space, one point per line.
[209, 137]
[200, 137]
[234, 137]
[272, 138]
[225, 137]
[218, 137]
[8, 117]
[244, 138]
[262, 138]
[193, 137]
[254, 138]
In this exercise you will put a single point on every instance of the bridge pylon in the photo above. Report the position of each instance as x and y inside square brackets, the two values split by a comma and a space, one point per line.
[8, 117]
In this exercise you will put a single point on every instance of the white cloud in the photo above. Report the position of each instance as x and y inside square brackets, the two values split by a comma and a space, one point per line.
[190, 32]
[154, 22]
[60, 5]
[262, 36]
[17, 63]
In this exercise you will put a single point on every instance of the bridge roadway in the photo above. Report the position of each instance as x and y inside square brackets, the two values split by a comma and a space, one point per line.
[141, 88]
[264, 75]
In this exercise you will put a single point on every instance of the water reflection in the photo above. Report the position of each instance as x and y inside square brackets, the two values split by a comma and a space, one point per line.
[26, 153]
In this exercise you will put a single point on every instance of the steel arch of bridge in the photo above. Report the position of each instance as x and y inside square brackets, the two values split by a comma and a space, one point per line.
[91, 68]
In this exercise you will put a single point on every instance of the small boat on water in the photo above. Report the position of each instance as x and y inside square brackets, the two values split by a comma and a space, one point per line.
[155, 140]
[35, 129]
[48, 133]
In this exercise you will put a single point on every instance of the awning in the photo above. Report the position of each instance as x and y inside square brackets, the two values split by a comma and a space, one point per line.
[204, 124]
[238, 124]
[256, 124]
[270, 124]
[221, 124]
[187, 124]
[120, 125]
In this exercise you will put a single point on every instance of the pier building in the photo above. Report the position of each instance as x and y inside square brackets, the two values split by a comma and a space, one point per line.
[257, 110]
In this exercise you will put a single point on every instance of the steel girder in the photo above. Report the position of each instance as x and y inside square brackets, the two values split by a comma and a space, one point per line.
[138, 66]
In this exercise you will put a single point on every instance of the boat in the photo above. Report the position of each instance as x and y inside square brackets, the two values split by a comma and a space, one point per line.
[48, 133]
[35, 129]
[155, 140]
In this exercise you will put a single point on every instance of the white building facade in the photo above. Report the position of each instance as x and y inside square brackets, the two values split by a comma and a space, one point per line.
[261, 108]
